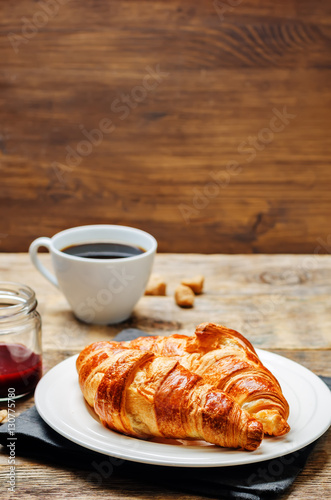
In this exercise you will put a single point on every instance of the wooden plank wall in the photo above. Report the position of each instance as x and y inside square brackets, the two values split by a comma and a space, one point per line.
[211, 121]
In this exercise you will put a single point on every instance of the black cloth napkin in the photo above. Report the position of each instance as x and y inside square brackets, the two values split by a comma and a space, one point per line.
[260, 481]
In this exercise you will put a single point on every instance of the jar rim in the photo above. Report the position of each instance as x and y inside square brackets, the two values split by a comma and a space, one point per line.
[15, 299]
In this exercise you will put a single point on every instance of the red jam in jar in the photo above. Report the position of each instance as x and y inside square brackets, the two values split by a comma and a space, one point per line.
[20, 341]
[20, 369]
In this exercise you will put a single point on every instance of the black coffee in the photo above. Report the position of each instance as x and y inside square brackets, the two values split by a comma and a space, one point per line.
[103, 250]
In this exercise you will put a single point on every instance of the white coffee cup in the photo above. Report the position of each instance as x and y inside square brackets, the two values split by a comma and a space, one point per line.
[99, 291]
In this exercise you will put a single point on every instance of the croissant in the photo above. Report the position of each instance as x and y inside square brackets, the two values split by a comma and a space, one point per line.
[143, 395]
[228, 361]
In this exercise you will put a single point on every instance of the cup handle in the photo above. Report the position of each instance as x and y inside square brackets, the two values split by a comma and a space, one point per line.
[33, 251]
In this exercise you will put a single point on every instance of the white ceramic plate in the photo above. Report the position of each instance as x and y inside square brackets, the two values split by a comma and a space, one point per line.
[60, 403]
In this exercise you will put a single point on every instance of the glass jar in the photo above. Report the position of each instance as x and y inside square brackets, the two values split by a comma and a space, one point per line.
[20, 341]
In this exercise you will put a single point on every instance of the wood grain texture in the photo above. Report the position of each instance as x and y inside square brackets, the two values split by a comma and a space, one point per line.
[274, 300]
[226, 74]
[290, 292]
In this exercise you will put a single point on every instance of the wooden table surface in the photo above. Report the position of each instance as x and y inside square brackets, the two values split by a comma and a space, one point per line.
[226, 65]
[280, 302]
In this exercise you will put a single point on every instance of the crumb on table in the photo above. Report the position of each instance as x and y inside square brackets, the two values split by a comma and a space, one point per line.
[3, 415]
[184, 296]
[195, 283]
[156, 285]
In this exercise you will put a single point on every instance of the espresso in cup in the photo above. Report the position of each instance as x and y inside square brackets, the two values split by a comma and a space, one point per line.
[103, 250]
[102, 270]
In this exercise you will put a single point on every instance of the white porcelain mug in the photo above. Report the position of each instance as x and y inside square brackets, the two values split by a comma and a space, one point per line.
[99, 291]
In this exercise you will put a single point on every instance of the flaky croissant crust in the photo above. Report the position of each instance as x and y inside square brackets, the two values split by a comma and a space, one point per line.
[143, 395]
[228, 361]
